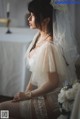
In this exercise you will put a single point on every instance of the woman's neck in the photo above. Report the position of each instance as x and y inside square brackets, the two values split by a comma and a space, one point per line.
[44, 33]
[43, 36]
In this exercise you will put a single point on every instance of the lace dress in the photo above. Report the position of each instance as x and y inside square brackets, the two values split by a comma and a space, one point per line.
[46, 58]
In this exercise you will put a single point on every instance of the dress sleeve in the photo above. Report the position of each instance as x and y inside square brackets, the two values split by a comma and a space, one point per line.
[44, 60]
[48, 58]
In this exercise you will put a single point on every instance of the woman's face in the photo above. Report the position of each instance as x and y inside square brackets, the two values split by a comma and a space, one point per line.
[31, 21]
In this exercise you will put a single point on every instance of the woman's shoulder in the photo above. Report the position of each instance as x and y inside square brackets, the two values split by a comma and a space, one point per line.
[48, 44]
[49, 41]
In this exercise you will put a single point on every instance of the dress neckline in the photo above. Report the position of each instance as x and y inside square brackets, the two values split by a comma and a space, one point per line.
[47, 41]
[36, 48]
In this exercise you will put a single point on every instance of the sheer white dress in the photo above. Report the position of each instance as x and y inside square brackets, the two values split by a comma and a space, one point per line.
[46, 59]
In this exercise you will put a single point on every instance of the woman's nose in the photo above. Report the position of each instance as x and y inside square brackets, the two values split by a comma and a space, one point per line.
[29, 18]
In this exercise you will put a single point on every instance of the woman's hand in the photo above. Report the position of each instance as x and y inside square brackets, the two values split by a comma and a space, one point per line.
[21, 96]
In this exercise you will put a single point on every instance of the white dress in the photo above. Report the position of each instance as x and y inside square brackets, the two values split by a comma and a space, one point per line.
[46, 58]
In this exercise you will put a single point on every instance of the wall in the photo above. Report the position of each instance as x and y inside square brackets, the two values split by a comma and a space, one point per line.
[18, 9]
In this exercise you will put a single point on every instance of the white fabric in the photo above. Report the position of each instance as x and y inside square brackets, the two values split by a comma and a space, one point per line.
[47, 58]
[14, 76]
[12, 68]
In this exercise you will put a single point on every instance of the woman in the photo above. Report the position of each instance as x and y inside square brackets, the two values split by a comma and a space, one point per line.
[39, 101]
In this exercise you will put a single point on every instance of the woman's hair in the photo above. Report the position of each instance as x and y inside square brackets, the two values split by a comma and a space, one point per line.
[42, 9]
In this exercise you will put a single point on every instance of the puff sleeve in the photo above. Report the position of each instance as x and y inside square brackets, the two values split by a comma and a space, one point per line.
[44, 60]
[47, 58]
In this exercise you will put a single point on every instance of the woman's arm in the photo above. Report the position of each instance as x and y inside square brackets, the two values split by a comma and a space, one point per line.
[29, 87]
[51, 84]
[22, 95]
[47, 87]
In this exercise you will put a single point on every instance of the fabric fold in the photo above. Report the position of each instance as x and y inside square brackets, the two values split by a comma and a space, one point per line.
[46, 59]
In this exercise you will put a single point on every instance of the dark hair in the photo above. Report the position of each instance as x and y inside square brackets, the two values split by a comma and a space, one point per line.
[42, 9]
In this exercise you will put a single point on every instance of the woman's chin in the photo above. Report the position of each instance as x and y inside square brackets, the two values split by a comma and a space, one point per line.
[31, 27]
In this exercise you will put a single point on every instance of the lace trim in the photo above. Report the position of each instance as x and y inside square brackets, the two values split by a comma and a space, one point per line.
[40, 108]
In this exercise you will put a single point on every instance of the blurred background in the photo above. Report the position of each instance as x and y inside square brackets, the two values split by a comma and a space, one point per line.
[18, 10]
